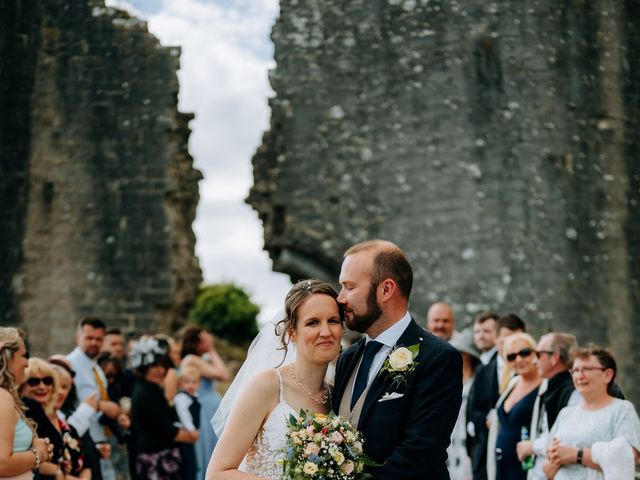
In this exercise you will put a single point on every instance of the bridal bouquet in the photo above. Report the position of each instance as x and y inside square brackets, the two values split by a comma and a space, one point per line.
[323, 447]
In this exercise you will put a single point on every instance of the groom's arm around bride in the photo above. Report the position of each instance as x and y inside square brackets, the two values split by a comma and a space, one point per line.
[406, 423]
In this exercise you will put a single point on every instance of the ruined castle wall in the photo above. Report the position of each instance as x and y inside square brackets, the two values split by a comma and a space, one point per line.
[111, 191]
[496, 142]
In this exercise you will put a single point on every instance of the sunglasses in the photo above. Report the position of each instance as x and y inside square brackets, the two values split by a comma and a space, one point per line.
[524, 353]
[35, 381]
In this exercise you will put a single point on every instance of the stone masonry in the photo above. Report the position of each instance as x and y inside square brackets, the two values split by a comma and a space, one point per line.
[496, 142]
[97, 187]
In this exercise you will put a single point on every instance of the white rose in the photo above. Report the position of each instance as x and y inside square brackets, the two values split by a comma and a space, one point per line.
[310, 468]
[400, 359]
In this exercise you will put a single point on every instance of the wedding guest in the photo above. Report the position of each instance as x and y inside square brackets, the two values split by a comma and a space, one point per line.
[440, 320]
[602, 433]
[171, 382]
[153, 419]
[458, 461]
[91, 380]
[21, 451]
[114, 343]
[513, 410]
[38, 393]
[484, 394]
[188, 410]
[555, 353]
[198, 351]
[485, 335]
[78, 415]
[73, 456]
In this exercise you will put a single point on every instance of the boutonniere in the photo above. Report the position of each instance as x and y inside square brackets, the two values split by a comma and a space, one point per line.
[401, 362]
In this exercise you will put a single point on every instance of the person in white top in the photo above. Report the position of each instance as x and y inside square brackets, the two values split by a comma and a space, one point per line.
[582, 434]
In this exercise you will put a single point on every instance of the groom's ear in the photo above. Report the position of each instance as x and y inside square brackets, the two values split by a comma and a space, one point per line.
[388, 288]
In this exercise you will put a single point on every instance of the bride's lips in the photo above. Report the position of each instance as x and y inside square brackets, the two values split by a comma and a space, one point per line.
[327, 343]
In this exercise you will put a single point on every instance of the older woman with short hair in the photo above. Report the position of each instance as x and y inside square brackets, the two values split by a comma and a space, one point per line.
[600, 434]
[20, 450]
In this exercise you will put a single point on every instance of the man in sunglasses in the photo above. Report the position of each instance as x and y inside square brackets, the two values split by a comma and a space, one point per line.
[555, 356]
[91, 380]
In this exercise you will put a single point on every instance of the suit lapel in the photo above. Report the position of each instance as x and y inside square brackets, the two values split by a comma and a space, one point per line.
[410, 336]
[350, 362]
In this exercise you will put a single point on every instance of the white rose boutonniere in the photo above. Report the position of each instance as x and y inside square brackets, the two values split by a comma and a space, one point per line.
[401, 362]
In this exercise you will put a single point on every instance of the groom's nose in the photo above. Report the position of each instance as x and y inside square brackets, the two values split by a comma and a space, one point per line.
[340, 298]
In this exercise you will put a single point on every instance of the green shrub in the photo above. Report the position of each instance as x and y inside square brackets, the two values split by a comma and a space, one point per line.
[227, 311]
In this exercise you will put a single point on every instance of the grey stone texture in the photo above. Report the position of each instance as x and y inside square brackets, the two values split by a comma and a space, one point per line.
[496, 142]
[98, 191]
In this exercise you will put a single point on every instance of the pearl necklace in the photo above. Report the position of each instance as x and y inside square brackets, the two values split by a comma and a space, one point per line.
[325, 388]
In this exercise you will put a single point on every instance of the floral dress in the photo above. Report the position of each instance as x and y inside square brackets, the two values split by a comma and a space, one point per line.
[72, 455]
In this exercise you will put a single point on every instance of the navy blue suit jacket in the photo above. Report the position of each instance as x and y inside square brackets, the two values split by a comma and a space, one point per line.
[409, 435]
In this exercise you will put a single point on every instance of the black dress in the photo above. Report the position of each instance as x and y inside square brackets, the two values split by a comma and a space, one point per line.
[508, 467]
[45, 429]
[153, 423]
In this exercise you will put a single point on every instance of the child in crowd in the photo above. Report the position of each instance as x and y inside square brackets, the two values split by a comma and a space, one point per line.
[188, 409]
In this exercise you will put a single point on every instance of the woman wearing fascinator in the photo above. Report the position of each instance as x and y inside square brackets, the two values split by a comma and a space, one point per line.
[153, 420]
[284, 373]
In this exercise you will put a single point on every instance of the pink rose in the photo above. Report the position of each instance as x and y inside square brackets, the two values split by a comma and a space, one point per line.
[311, 449]
[337, 438]
[347, 467]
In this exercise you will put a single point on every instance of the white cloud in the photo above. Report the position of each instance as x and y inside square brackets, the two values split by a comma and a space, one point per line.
[226, 54]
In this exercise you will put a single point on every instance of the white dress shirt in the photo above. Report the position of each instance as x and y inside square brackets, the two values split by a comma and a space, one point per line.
[388, 339]
[485, 357]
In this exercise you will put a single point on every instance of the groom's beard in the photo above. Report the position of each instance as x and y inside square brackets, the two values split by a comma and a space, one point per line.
[361, 323]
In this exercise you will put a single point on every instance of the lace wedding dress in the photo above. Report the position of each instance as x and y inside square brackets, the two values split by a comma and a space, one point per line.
[267, 448]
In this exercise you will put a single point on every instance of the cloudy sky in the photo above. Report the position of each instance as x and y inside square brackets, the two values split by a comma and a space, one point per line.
[226, 55]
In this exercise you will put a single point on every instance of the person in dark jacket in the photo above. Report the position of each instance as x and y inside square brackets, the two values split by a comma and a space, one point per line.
[153, 419]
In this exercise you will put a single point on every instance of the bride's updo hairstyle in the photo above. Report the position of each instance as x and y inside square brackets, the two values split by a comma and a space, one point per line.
[296, 297]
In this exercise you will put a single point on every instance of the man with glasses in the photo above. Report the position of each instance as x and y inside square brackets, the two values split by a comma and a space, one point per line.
[555, 356]
[91, 380]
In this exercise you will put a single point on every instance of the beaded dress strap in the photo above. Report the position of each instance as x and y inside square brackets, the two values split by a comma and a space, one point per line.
[281, 385]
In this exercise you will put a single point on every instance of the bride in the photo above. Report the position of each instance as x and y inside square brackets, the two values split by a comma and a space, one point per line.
[252, 419]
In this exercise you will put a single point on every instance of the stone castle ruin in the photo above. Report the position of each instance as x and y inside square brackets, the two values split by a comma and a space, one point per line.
[98, 191]
[496, 142]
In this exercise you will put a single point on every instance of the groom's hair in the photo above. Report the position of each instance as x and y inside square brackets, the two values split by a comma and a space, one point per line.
[389, 262]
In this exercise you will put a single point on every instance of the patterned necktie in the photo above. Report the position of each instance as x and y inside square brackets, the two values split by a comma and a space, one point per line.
[363, 372]
[103, 396]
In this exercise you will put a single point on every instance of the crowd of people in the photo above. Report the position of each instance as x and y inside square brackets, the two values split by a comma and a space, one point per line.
[508, 406]
[513, 423]
[107, 410]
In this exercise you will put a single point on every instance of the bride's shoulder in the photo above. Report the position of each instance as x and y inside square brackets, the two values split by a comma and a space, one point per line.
[265, 383]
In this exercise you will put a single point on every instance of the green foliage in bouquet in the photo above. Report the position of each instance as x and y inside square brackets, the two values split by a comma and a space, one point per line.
[323, 447]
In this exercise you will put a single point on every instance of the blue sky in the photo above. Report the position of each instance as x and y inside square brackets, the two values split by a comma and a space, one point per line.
[226, 55]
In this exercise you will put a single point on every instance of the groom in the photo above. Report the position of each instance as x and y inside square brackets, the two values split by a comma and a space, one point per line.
[404, 407]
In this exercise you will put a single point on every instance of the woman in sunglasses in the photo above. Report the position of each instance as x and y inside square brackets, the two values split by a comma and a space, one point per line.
[600, 434]
[513, 410]
[39, 392]
[20, 450]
